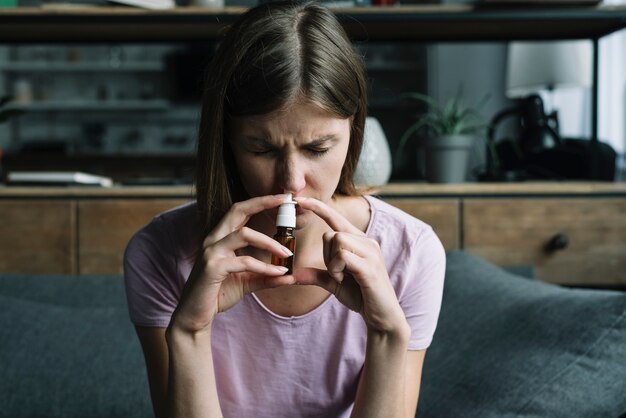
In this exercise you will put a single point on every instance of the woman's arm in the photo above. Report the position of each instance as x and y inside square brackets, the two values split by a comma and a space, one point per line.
[192, 391]
[390, 379]
[381, 389]
[179, 359]
[413, 380]
[155, 354]
[180, 385]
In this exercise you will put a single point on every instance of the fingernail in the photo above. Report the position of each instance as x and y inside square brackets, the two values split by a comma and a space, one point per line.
[300, 199]
[281, 269]
[279, 196]
[287, 251]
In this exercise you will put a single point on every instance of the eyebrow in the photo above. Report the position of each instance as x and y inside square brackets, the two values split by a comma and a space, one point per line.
[315, 142]
[321, 140]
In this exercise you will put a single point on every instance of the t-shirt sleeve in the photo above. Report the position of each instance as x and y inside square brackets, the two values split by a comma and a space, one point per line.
[150, 276]
[423, 274]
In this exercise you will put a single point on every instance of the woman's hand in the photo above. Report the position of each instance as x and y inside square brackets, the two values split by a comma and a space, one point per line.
[220, 278]
[356, 272]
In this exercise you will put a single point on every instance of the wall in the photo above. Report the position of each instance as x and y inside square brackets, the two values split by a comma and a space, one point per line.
[479, 70]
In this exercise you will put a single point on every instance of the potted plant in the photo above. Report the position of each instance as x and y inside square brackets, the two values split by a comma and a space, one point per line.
[447, 134]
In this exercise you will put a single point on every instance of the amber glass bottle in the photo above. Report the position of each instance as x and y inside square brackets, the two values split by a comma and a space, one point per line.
[285, 225]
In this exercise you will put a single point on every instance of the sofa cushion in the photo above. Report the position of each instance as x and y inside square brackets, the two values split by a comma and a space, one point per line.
[506, 346]
[75, 291]
[67, 355]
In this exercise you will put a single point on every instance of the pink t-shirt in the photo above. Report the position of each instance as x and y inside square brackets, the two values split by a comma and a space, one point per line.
[267, 365]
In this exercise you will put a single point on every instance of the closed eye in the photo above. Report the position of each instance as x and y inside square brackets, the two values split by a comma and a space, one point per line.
[317, 152]
[263, 152]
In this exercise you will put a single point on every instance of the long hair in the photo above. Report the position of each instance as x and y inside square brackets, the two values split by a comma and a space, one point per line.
[274, 54]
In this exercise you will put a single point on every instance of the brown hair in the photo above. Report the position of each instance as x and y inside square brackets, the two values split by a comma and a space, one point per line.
[274, 54]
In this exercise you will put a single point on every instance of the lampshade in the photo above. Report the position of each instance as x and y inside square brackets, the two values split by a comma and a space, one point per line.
[534, 66]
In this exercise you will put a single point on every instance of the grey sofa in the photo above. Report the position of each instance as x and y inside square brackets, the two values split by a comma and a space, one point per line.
[506, 346]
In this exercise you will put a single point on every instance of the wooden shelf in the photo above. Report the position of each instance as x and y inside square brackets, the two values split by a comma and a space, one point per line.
[525, 189]
[399, 23]
[392, 190]
[93, 105]
[41, 66]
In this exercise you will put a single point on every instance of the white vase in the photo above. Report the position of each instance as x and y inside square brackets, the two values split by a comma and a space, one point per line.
[374, 167]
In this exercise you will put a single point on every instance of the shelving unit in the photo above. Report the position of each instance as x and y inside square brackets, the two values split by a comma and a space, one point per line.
[82, 120]
[417, 23]
[395, 25]
[91, 106]
[85, 98]
[35, 67]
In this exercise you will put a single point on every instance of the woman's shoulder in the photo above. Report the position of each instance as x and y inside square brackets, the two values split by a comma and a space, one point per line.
[356, 209]
[170, 228]
[178, 216]
[399, 232]
[385, 215]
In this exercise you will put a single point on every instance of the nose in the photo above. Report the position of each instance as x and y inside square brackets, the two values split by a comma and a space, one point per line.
[292, 174]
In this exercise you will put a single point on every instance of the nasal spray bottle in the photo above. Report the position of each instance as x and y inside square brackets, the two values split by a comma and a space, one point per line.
[285, 224]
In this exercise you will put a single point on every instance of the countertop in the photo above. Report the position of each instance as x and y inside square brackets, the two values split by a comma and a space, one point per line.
[400, 190]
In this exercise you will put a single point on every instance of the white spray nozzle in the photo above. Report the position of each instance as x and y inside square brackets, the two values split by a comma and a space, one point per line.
[287, 212]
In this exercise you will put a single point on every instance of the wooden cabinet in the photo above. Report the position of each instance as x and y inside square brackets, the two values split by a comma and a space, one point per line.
[75, 230]
[570, 241]
[571, 234]
[38, 236]
[106, 226]
[442, 214]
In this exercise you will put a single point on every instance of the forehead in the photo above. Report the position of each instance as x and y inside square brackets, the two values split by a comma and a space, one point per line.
[298, 120]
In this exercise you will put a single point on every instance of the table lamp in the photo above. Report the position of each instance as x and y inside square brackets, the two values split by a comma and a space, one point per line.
[534, 68]
[537, 66]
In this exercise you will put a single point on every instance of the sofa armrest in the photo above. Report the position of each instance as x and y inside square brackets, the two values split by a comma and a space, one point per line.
[509, 346]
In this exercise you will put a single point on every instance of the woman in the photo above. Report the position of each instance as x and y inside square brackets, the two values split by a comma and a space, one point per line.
[225, 333]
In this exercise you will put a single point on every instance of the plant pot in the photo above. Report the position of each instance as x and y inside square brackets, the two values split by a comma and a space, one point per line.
[447, 157]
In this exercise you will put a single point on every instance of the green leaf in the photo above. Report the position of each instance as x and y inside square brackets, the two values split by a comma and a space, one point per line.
[451, 118]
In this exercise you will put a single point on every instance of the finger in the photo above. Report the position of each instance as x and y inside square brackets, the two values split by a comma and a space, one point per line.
[336, 267]
[239, 214]
[348, 293]
[316, 277]
[224, 266]
[249, 282]
[348, 262]
[333, 218]
[360, 245]
[246, 237]
[256, 282]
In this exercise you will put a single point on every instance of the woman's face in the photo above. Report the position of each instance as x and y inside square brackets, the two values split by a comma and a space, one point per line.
[300, 150]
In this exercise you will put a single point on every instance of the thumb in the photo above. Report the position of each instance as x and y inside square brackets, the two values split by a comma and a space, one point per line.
[255, 281]
[317, 277]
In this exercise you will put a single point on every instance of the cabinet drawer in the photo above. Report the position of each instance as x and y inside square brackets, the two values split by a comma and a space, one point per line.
[441, 214]
[519, 232]
[106, 226]
[37, 237]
